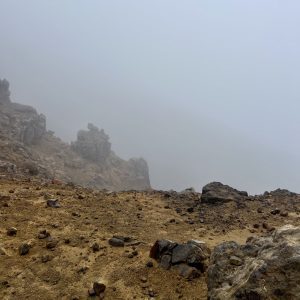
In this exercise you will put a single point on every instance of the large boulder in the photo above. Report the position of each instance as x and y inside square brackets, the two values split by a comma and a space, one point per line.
[216, 192]
[93, 144]
[264, 268]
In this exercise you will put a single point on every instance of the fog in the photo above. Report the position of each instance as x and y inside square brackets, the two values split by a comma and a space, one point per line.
[203, 90]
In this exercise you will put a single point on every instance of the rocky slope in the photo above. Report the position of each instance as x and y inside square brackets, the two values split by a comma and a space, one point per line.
[26, 143]
[60, 241]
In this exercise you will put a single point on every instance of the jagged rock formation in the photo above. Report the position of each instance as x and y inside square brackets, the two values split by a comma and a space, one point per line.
[89, 161]
[264, 268]
[216, 192]
[4, 91]
[93, 144]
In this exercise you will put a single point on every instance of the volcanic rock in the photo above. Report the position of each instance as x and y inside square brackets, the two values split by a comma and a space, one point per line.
[271, 268]
[217, 192]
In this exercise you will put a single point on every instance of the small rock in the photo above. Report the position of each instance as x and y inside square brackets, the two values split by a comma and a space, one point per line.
[149, 264]
[51, 244]
[275, 211]
[190, 209]
[12, 231]
[99, 288]
[75, 214]
[143, 279]
[96, 247]
[53, 203]
[43, 234]
[115, 242]
[24, 249]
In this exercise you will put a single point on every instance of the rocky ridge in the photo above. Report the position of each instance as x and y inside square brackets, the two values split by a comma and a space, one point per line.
[30, 148]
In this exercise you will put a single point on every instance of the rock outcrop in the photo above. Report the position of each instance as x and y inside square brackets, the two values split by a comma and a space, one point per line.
[190, 258]
[4, 91]
[264, 268]
[19, 122]
[216, 192]
[93, 144]
[89, 161]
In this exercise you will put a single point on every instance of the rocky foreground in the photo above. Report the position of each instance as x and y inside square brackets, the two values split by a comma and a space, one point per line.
[61, 241]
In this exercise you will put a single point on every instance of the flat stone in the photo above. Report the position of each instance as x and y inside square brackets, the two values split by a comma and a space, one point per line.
[116, 242]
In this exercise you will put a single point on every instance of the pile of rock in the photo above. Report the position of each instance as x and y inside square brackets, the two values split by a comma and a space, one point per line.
[264, 268]
[216, 192]
[191, 258]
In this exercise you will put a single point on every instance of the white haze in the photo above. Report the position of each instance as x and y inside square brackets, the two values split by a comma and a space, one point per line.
[203, 90]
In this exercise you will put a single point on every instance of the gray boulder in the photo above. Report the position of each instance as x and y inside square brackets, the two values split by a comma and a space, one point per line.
[263, 268]
[216, 192]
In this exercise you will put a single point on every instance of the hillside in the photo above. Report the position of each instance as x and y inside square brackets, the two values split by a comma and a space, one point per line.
[69, 244]
[26, 143]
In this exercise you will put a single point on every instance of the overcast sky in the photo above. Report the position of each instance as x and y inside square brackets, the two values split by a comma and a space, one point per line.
[203, 90]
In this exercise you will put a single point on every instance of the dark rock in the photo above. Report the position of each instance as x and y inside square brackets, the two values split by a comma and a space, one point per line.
[43, 234]
[53, 203]
[96, 247]
[116, 242]
[193, 253]
[99, 287]
[51, 244]
[275, 211]
[217, 192]
[149, 264]
[12, 231]
[24, 249]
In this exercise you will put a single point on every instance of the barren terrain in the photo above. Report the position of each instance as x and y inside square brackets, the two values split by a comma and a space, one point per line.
[79, 252]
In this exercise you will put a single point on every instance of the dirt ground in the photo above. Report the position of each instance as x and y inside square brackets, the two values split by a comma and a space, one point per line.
[86, 217]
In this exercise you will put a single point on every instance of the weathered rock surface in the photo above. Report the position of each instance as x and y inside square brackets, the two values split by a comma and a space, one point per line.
[216, 192]
[263, 268]
[27, 147]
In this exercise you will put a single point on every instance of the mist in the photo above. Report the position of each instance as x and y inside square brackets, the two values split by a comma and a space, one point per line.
[203, 90]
